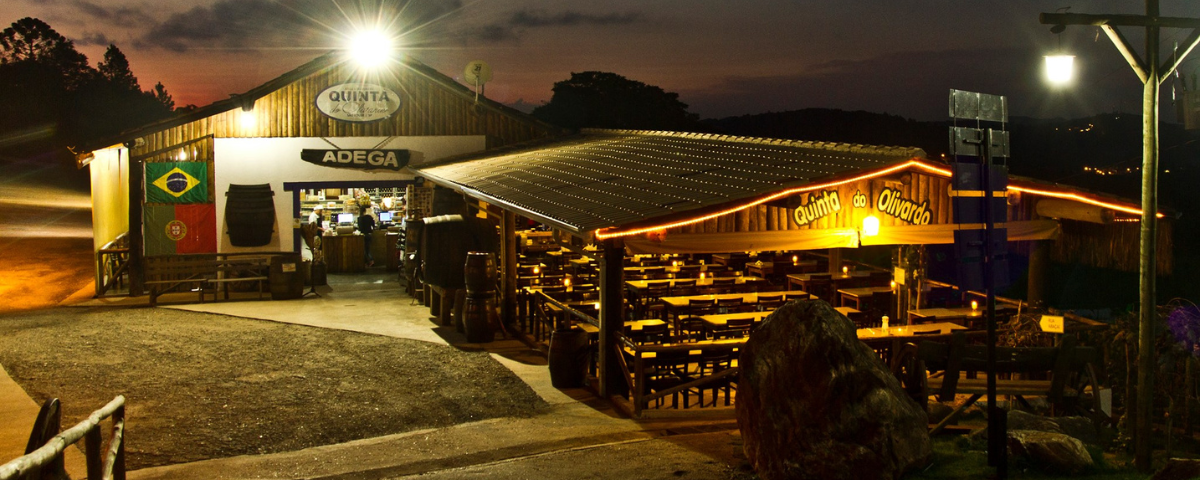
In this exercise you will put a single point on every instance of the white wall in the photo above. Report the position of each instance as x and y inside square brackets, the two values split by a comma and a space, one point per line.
[109, 172]
[274, 161]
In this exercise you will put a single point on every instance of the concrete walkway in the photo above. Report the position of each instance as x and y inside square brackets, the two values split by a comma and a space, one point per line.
[580, 436]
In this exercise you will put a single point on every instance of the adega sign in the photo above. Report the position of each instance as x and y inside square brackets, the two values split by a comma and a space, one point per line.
[357, 159]
[358, 102]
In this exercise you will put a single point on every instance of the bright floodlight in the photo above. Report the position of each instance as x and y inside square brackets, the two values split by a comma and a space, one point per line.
[1060, 68]
[870, 226]
[247, 120]
[371, 48]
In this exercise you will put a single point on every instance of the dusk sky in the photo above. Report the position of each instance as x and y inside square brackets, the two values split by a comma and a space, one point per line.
[723, 57]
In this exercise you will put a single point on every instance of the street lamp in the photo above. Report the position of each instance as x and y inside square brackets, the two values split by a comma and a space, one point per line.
[1151, 73]
[1060, 68]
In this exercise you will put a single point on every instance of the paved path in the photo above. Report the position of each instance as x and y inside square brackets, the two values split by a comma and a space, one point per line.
[580, 436]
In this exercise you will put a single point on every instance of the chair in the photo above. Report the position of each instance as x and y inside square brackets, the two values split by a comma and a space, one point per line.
[767, 303]
[668, 370]
[712, 362]
[729, 305]
[552, 279]
[734, 328]
[654, 291]
[822, 289]
[694, 329]
[654, 333]
[724, 281]
[685, 290]
[582, 295]
[700, 306]
[682, 283]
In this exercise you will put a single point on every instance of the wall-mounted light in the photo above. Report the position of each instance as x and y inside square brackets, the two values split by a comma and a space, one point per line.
[247, 119]
[870, 226]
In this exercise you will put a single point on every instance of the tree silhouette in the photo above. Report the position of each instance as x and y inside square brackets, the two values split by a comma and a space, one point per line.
[47, 86]
[115, 69]
[608, 100]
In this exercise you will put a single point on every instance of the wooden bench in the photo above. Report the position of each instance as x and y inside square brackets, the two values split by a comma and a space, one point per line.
[1072, 384]
[203, 272]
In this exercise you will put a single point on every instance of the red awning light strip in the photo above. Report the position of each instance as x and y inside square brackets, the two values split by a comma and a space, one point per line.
[1083, 199]
[604, 234]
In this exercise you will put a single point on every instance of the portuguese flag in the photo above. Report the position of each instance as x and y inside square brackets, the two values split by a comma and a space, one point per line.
[176, 182]
[172, 229]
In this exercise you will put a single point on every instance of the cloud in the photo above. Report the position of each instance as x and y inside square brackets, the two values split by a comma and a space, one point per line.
[263, 24]
[93, 38]
[916, 84]
[522, 20]
[117, 15]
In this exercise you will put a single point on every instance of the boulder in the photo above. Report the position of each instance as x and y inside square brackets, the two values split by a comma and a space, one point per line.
[815, 403]
[1079, 428]
[1050, 452]
[1178, 469]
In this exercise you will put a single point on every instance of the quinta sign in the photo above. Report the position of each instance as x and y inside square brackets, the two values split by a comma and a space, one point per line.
[820, 205]
[357, 159]
[358, 102]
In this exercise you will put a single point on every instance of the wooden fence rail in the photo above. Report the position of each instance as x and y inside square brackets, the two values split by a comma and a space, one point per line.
[112, 466]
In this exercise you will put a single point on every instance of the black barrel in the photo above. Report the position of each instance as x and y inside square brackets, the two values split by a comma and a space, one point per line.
[480, 272]
[568, 358]
[250, 215]
[477, 309]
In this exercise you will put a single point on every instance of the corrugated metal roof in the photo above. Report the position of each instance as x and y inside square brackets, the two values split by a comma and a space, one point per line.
[611, 178]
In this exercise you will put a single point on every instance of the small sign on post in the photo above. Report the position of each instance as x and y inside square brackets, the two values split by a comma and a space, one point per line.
[1052, 323]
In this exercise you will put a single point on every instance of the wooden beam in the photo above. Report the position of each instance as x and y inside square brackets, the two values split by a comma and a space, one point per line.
[1126, 50]
[1178, 55]
[1117, 20]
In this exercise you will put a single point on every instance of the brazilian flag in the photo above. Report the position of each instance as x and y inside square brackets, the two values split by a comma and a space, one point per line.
[176, 182]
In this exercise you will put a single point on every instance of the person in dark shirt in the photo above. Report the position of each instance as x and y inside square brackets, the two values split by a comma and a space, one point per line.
[366, 225]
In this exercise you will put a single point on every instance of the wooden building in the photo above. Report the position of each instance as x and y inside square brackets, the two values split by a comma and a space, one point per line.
[366, 129]
[665, 192]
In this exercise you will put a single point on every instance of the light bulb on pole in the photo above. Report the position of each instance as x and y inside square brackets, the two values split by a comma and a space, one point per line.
[1060, 69]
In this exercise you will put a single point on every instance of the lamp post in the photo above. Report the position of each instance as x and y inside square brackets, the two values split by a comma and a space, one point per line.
[1152, 74]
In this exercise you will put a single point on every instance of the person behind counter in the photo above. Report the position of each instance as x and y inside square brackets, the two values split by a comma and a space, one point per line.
[366, 226]
[317, 217]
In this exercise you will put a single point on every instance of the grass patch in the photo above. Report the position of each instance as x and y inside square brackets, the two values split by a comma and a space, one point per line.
[952, 460]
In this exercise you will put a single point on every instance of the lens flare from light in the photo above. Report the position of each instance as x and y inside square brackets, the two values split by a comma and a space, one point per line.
[1060, 69]
[371, 48]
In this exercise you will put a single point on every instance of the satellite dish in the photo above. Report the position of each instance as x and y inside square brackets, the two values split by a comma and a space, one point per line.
[478, 73]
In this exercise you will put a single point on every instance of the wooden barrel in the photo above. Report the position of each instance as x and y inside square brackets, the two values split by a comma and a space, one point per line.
[568, 358]
[480, 272]
[250, 215]
[477, 309]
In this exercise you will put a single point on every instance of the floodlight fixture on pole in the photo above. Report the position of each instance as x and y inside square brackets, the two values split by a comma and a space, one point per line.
[1152, 74]
[370, 48]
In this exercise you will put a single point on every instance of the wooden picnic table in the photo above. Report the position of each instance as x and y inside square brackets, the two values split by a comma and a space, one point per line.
[852, 297]
[966, 313]
[803, 280]
[720, 320]
[641, 285]
[889, 340]
[675, 305]
[772, 268]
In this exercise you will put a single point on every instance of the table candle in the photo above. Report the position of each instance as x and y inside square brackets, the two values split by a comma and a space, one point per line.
[974, 305]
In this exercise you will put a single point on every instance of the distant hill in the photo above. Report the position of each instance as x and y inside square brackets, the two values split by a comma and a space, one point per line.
[1056, 150]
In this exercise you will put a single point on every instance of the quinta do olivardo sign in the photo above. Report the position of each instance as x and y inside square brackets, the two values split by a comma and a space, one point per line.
[358, 102]
[888, 202]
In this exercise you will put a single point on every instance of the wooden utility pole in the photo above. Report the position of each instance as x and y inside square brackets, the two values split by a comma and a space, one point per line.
[1152, 74]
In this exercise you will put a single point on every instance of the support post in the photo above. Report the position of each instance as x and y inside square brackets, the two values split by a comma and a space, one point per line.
[612, 315]
[508, 265]
[1039, 266]
[1146, 262]
[835, 261]
[137, 267]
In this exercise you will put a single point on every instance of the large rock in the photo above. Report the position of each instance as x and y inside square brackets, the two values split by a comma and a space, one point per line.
[1179, 469]
[1050, 452]
[1077, 427]
[814, 402]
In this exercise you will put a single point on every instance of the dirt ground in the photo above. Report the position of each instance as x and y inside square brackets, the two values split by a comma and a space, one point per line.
[202, 386]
